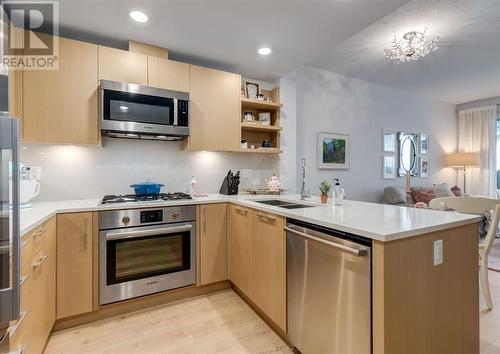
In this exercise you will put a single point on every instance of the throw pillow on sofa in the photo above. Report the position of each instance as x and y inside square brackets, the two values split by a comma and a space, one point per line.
[456, 191]
[423, 196]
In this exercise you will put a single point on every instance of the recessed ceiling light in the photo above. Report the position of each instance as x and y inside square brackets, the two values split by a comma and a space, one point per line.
[264, 51]
[124, 108]
[138, 16]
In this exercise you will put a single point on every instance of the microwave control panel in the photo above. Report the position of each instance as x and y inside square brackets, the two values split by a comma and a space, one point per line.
[183, 113]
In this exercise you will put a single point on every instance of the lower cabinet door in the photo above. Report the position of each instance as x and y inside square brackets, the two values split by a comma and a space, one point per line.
[74, 264]
[240, 248]
[268, 266]
[43, 299]
[213, 243]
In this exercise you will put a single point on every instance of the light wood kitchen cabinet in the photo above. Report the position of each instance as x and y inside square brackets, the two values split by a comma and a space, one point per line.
[168, 74]
[214, 110]
[74, 264]
[124, 66]
[240, 248]
[268, 266]
[43, 300]
[60, 106]
[256, 258]
[213, 243]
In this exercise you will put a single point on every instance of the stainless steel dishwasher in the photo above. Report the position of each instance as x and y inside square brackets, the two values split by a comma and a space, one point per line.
[328, 290]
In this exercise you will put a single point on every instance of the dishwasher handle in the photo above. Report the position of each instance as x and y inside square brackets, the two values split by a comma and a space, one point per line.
[354, 251]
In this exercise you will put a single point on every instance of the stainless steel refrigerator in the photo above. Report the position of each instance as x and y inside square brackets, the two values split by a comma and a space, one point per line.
[9, 227]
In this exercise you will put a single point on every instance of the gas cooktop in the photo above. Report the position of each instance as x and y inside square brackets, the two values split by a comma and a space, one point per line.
[132, 198]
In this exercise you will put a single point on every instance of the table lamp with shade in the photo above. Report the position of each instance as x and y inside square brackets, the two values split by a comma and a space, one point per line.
[463, 160]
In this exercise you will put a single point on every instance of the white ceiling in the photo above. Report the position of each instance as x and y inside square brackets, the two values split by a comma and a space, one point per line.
[466, 66]
[227, 33]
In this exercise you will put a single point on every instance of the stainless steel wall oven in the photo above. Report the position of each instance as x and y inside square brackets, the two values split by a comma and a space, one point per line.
[144, 251]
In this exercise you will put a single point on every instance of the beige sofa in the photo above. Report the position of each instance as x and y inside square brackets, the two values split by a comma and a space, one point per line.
[397, 195]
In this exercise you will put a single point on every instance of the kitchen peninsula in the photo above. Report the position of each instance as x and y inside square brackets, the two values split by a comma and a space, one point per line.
[413, 301]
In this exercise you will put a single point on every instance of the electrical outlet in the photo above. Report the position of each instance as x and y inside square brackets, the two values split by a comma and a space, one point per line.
[438, 252]
[35, 173]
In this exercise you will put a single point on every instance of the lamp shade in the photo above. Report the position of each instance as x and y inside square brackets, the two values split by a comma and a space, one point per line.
[462, 159]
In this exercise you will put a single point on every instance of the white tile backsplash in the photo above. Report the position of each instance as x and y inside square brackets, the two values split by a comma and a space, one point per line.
[79, 172]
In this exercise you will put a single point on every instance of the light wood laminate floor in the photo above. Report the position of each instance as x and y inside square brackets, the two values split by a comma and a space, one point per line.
[217, 323]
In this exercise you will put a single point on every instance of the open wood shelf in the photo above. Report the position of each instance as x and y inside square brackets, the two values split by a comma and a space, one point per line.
[253, 132]
[251, 103]
[262, 151]
[260, 127]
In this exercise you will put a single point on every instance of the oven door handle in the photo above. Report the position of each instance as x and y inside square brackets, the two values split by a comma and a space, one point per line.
[120, 235]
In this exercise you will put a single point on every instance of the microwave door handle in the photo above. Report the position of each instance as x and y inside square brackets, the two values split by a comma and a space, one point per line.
[121, 235]
[176, 112]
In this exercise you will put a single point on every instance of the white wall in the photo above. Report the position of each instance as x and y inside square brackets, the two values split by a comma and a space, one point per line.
[313, 100]
[79, 172]
[335, 103]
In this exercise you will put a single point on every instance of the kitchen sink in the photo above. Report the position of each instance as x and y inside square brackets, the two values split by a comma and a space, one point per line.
[287, 204]
[274, 202]
[296, 206]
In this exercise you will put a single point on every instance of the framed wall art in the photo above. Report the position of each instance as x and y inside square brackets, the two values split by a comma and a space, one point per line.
[389, 166]
[252, 89]
[389, 140]
[333, 150]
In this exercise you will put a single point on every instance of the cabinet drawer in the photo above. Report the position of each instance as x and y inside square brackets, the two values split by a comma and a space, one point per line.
[25, 290]
[41, 235]
[25, 249]
[37, 238]
[20, 333]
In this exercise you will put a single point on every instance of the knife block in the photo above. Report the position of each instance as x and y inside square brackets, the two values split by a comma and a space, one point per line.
[224, 188]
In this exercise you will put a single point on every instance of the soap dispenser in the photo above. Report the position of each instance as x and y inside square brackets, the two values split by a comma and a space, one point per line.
[338, 193]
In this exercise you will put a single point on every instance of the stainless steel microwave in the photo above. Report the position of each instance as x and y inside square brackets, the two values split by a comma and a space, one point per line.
[142, 112]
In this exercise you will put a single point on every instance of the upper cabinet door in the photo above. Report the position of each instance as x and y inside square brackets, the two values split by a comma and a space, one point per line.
[123, 66]
[60, 106]
[168, 74]
[214, 109]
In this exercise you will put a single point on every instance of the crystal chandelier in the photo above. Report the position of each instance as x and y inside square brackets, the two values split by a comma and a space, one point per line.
[411, 47]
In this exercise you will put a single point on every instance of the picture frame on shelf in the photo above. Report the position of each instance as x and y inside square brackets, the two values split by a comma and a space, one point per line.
[388, 166]
[333, 151]
[389, 140]
[424, 166]
[424, 144]
[252, 89]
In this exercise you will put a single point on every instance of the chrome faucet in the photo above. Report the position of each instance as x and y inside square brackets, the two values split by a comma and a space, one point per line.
[303, 193]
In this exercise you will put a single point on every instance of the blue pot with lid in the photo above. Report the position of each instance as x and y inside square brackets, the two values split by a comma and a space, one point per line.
[147, 188]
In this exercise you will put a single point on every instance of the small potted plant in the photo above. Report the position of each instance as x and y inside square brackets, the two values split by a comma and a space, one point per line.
[324, 188]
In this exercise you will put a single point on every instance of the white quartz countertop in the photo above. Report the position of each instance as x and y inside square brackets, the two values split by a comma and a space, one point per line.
[375, 221]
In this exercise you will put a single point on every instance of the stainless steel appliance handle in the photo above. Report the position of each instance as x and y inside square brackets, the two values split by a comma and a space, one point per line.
[9, 296]
[120, 235]
[176, 112]
[354, 251]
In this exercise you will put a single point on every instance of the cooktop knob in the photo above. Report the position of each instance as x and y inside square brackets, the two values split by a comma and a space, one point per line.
[125, 219]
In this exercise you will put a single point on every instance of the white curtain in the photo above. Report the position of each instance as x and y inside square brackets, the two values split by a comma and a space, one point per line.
[477, 133]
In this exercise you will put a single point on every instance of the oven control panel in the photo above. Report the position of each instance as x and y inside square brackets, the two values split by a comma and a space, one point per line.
[148, 216]
[111, 219]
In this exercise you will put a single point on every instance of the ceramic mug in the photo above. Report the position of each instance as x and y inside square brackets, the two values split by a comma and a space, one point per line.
[28, 189]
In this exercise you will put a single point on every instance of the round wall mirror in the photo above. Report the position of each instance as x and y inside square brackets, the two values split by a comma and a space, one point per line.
[408, 154]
